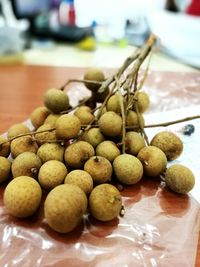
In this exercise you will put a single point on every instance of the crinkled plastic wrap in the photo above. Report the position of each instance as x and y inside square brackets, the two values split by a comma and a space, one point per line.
[159, 228]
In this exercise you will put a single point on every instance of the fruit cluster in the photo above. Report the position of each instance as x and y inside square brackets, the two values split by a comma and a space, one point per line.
[79, 154]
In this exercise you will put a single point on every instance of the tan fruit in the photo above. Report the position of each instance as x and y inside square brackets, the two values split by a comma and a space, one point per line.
[179, 178]
[94, 74]
[108, 150]
[113, 104]
[17, 129]
[105, 202]
[56, 100]
[133, 119]
[26, 164]
[93, 136]
[22, 196]
[23, 144]
[80, 178]
[134, 142]
[51, 151]
[128, 169]
[64, 207]
[169, 143]
[67, 127]
[142, 101]
[78, 153]
[46, 136]
[153, 160]
[38, 116]
[51, 174]
[51, 119]
[84, 114]
[4, 169]
[99, 168]
[4, 148]
[110, 124]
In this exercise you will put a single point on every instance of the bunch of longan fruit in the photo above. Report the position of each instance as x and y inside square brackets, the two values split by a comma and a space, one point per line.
[80, 155]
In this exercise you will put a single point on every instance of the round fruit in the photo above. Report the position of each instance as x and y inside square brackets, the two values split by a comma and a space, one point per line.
[23, 144]
[51, 151]
[84, 114]
[22, 196]
[113, 104]
[56, 100]
[93, 136]
[142, 101]
[110, 124]
[94, 75]
[108, 150]
[17, 129]
[38, 116]
[134, 142]
[46, 136]
[64, 207]
[4, 148]
[4, 169]
[133, 119]
[51, 119]
[67, 127]
[105, 202]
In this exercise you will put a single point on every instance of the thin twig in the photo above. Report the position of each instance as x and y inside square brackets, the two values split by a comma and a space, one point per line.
[79, 81]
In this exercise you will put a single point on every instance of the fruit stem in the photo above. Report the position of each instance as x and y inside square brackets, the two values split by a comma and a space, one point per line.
[79, 81]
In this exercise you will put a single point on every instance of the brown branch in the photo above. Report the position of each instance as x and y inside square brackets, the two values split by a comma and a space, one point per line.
[79, 81]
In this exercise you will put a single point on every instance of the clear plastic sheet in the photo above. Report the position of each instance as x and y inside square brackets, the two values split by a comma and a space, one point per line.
[159, 228]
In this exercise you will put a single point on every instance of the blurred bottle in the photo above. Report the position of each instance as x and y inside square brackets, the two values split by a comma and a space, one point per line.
[67, 13]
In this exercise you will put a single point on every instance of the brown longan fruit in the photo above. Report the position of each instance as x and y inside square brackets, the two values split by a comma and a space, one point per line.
[110, 124]
[51, 174]
[4, 148]
[64, 207]
[94, 74]
[56, 100]
[108, 150]
[78, 153]
[4, 169]
[26, 164]
[134, 142]
[133, 119]
[23, 144]
[68, 126]
[169, 143]
[128, 169]
[51, 151]
[17, 129]
[142, 101]
[84, 114]
[51, 119]
[179, 178]
[38, 116]
[46, 136]
[80, 178]
[93, 136]
[105, 202]
[153, 160]
[22, 196]
[113, 104]
[99, 168]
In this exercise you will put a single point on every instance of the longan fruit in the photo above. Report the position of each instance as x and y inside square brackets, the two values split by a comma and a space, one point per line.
[38, 116]
[179, 178]
[99, 168]
[110, 124]
[23, 144]
[17, 129]
[94, 74]
[4, 148]
[132, 119]
[78, 153]
[46, 136]
[93, 136]
[105, 202]
[113, 104]
[26, 164]
[128, 169]
[134, 142]
[153, 160]
[51, 151]
[51, 119]
[80, 178]
[64, 207]
[56, 100]
[84, 114]
[68, 126]
[169, 143]
[51, 174]
[22, 196]
[108, 150]
[4, 169]
[142, 101]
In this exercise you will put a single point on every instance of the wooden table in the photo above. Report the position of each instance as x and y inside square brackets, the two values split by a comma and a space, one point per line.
[22, 89]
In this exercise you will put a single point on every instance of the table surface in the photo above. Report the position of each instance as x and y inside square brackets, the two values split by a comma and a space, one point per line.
[22, 89]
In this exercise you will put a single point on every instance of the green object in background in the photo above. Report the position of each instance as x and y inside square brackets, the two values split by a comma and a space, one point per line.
[87, 44]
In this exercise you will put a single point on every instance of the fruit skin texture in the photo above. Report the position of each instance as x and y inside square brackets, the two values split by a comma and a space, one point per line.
[134, 142]
[51, 119]
[24, 164]
[42, 138]
[84, 114]
[23, 144]
[17, 129]
[113, 104]
[110, 124]
[51, 174]
[5, 148]
[105, 202]
[80, 178]
[99, 168]
[128, 169]
[50, 151]
[179, 178]
[143, 101]
[132, 119]
[94, 74]
[64, 207]
[67, 127]
[169, 143]
[56, 100]
[38, 116]
[22, 196]
[108, 150]
[4, 169]
[93, 136]
[153, 159]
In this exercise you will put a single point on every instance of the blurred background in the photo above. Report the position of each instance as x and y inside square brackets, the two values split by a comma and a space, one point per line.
[87, 32]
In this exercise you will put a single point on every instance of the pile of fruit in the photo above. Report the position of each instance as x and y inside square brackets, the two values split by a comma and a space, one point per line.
[82, 156]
